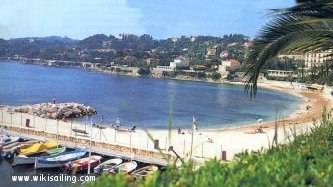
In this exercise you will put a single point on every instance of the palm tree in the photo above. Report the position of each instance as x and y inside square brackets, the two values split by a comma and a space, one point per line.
[303, 28]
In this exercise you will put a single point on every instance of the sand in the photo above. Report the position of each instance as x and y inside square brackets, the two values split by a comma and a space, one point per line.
[206, 143]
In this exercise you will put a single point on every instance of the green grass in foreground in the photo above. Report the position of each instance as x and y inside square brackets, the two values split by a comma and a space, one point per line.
[307, 161]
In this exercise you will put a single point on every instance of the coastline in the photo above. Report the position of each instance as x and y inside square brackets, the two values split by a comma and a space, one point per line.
[231, 139]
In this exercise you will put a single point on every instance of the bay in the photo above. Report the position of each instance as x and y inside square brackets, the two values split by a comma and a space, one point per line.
[144, 102]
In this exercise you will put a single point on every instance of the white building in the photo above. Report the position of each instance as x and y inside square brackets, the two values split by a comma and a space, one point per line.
[281, 73]
[182, 62]
[316, 59]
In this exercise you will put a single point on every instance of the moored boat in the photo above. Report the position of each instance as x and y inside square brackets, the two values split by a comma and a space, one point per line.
[38, 147]
[82, 163]
[142, 173]
[107, 165]
[30, 159]
[59, 160]
[10, 149]
[6, 140]
[124, 168]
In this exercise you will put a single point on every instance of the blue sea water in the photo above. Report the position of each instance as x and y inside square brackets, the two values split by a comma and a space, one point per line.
[144, 102]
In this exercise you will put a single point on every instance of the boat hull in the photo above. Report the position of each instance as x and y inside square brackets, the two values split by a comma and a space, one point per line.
[107, 165]
[58, 160]
[23, 160]
[82, 164]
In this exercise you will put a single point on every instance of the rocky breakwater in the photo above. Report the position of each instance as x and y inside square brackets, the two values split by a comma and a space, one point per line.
[55, 111]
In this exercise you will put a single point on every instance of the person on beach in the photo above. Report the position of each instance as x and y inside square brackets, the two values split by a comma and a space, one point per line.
[117, 124]
[54, 100]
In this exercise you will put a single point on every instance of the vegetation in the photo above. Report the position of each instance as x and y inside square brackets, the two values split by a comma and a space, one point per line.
[306, 161]
[216, 76]
[306, 27]
[131, 50]
[144, 71]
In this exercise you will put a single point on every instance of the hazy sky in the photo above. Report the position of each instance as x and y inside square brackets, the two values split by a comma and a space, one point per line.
[161, 19]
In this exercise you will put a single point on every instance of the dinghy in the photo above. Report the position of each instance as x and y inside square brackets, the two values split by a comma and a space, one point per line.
[6, 140]
[124, 168]
[9, 150]
[30, 159]
[142, 173]
[38, 147]
[107, 165]
[58, 160]
[82, 164]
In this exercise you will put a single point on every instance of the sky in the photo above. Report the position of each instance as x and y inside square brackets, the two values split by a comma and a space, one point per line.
[79, 19]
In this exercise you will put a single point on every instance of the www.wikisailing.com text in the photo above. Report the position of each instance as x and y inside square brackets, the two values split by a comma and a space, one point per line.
[52, 178]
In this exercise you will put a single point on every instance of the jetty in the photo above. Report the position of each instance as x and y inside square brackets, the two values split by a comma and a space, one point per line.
[78, 135]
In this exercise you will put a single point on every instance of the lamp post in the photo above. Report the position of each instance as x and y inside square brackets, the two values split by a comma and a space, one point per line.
[194, 127]
[91, 129]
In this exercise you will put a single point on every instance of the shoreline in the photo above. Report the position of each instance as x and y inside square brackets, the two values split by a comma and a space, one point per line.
[271, 85]
[233, 140]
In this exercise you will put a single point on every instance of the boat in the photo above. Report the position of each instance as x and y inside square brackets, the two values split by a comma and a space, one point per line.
[59, 160]
[142, 173]
[82, 163]
[10, 149]
[38, 147]
[30, 159]
[6, 140]
[124, 168]
[107, 165]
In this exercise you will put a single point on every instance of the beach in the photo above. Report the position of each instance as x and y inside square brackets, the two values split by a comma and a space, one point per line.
[207, 143]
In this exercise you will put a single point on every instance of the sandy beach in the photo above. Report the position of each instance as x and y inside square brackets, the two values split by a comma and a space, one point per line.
[206, 143]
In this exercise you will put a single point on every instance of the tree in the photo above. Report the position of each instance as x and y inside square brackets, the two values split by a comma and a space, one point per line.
[306, 27]
[216, 76]
[144, 71]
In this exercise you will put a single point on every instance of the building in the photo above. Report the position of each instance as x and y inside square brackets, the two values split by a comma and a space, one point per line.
[211, 51]
[316, 59]
[224, 54]
[181, 62]
[281, 73]
[193, 38]
[229, 65]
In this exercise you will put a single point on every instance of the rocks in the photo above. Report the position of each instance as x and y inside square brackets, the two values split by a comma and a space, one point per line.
[55, 111]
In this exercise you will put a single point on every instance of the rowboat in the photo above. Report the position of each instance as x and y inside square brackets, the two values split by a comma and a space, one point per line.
[107, 165]
[10, 149]
[124, 168]
[38, 147]
[82, 164]
[30, 159]
[142, 173]
[6, 140]
[58, 160]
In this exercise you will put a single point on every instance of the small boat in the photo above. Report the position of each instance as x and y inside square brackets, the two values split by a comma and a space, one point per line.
[6, 140]
[30, 159]
[82, 164]
[10, 149]
[143, 172]
[124, 168]
[107, 165]
[59, 160]
[38, 147]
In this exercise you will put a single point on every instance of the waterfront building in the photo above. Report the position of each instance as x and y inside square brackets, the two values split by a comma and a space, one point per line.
[280, 73]
[316, 59]
[180, 62]
[229, 65]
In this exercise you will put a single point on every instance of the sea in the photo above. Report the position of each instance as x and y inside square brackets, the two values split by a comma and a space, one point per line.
[144, 102]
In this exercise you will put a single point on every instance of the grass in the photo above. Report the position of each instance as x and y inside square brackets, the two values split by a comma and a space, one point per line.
[306, 161]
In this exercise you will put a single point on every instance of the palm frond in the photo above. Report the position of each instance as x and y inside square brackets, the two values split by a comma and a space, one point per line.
[299, 29]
